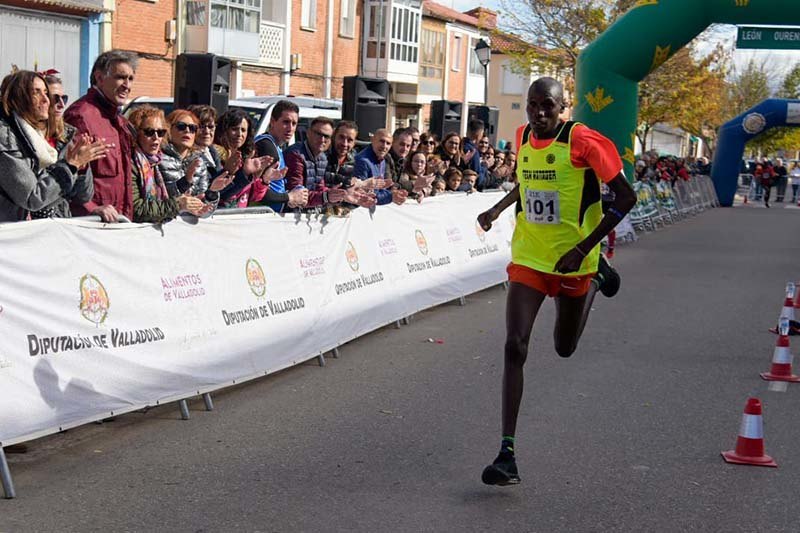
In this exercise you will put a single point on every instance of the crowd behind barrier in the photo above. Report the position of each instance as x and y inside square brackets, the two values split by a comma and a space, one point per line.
[134, 315]
[760, 176]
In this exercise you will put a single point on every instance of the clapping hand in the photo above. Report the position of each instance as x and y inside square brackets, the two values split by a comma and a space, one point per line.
[255, 165]
[83, 149]
[220, 182]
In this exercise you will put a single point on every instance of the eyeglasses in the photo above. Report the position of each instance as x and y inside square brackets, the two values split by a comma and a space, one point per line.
[152, 132]
[208, 127]
[325, 136]
[183, 126]
[61, 98]
[430, 141]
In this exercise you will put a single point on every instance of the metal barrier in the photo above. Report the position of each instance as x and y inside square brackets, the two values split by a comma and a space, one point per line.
[244, 211]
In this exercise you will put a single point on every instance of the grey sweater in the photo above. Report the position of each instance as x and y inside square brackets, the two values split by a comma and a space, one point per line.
[24, 186]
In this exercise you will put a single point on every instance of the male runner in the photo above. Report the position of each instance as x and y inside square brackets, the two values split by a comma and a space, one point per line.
[554, 250]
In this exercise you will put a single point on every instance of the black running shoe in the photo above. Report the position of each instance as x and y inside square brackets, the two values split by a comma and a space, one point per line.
[607, 278]
[502, 472]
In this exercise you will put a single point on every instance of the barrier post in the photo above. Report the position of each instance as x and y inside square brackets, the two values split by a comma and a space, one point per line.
[335, 353]
[397, 324]
[208, 401]
[184, 408]
[462, 301]
[5, 477]
[405, 321]
[321, 359]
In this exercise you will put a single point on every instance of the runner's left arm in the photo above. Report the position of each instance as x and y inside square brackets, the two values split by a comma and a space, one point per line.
[623, 203]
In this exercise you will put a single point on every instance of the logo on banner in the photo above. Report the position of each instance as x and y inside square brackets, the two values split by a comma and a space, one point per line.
[94, 300]
[480, 232]
[754, 123]
[256, 278]
[422, 243]
[352, 256]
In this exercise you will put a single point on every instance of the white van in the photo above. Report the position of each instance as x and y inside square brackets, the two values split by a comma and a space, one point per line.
[260, 108]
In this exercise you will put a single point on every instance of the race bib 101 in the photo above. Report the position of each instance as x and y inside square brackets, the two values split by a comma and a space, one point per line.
[541, 207]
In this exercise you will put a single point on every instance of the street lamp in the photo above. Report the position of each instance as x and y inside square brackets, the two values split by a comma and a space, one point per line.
[484, 54]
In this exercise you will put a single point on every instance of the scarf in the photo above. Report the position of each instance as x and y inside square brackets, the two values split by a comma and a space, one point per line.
[45, 153]
[152, 184]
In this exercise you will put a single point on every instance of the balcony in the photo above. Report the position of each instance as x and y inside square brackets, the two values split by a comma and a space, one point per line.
[270, 44]
[391, 38]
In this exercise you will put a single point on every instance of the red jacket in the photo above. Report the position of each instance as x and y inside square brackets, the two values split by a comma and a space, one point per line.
[95, 115]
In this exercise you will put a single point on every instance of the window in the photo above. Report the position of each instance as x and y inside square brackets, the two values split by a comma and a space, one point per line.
[512, 83]
[196, 13]
[456, 52]
[238, 15]
[431, 59]
[378, 15]
[405, 34]
[475, 66]
[347, 22]
[308, 14]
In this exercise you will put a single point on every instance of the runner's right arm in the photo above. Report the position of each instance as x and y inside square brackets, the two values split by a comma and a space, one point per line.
[486, 218]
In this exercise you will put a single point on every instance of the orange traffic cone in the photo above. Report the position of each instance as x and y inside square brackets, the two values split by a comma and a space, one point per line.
[796, 297]
[781, 369]
[788, 303]
[750, 443]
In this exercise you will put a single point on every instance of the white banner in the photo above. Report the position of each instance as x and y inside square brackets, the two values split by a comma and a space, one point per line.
[100, 320]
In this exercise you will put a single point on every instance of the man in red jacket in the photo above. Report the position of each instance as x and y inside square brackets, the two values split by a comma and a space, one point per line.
[98, 114]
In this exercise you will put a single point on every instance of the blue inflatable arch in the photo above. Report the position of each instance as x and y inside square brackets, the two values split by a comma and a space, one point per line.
[733, 135]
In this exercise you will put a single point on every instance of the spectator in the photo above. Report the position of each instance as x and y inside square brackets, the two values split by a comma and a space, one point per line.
[511, 163]
[402, 140]
[703, 166]
[59, 135]
[427, 143]
[414, 179]
[472, 150]
[179, 163]
[152, 201]
[234, 143]
[795, 177]
[681, 171]
[97, 113]
[490, 164]
[342, 155]
[436, 166]
[453, 178]
[204, 146]
[469, 181]
[763, 174]
[34, 176]
[282, 126]
[484, 144]
[415, 138]
[450, 151]
[371, 168]
[439, 186]
[781, 179]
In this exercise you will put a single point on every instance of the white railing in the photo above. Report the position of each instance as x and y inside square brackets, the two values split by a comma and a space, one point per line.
[270, 45]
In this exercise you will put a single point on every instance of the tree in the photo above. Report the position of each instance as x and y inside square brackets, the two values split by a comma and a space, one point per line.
[686, 92]
[791, 83]
[564, 26]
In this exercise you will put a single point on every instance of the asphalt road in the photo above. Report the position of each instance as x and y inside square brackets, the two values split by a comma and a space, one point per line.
[392, 436]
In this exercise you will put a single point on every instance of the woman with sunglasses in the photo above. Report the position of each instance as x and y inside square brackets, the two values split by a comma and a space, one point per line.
[427, 143]
[34, 175]
[151, 200]
[180, 165]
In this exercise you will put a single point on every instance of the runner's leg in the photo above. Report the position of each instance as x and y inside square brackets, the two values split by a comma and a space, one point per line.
[572, 314]
[522, 306]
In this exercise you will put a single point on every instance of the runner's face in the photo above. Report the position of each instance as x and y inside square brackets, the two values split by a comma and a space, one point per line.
[544, 107]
